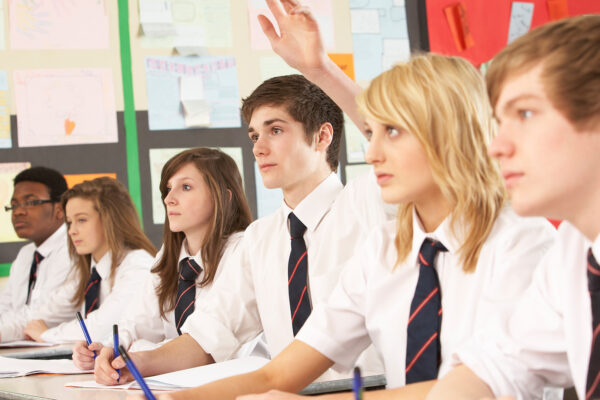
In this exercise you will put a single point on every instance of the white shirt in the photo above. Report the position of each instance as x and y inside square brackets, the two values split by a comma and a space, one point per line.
[114, 296]
[142, 320]
[372, 300]
[549, 337]
[254, 297]
[51, 274]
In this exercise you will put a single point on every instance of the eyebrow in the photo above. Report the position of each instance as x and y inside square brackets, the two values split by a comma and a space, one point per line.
[27, 196]
[512, 102]
[269, 122]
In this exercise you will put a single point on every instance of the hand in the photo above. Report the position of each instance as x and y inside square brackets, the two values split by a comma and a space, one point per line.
[105, 369]
[83, 355]
[300, 43]
[34, 330]
[271, 395]
[165, 396]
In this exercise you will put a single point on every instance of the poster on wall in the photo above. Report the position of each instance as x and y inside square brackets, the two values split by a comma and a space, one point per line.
[8, 171]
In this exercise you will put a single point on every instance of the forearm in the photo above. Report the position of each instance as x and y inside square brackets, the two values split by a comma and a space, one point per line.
[460, 383]
[415, 391]
[180, 353]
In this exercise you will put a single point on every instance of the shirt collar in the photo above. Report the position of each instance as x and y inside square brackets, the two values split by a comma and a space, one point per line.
[596, 248]
[183, 253]
[102, 266]
[317, 203]
[441, 234]
[58, 238]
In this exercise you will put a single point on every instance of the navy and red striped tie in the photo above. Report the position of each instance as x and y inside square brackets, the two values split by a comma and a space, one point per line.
[593, 376]
[92, 292]
[37, 258]
[186, 291]
[300, 307]
[423, 353]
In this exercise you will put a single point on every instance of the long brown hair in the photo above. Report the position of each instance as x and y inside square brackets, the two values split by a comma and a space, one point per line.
[120, 223]
[231, 214]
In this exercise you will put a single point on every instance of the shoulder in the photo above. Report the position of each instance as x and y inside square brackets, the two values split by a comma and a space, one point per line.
[138, 258]
[266, 225]
[512, 230]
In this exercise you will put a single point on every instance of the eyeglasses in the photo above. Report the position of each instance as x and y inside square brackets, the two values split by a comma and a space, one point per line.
[26, 204]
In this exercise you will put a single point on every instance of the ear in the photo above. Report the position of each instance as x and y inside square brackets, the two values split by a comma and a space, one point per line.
[230, 194]
[324, 136]
[59, 213]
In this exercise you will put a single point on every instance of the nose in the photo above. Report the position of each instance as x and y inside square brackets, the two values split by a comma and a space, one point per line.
[170, 198]
[72, 231]
[260, 147]
[502, 146]
[374, 154]
[19, 209]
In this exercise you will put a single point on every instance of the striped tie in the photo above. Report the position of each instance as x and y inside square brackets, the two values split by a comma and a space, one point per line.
[186, 291]
[298, 275]
[425, 321]
[37, 258]
[593, 375]
[92, 292]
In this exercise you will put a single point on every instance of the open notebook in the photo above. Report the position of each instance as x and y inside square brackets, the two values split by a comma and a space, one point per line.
[188, 378]
[11, 367]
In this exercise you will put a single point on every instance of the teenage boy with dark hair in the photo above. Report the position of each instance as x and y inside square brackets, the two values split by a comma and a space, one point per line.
[545, 89]
[290, 260]
[42, 265]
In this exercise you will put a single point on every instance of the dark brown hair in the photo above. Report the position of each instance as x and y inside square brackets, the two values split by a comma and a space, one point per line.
[569, 52]
[305, 102]
[231, 214]
[120, 223]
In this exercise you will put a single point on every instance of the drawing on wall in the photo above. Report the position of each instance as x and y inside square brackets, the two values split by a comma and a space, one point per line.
[65, 106]
[8, 171]
[58, 24]
[5, 140]
[220, 90]
[74, 179]
[379, 36]
[159, 157]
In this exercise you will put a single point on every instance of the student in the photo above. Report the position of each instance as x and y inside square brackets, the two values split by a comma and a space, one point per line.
[296, 131]
[429, 124]
[544, 89]
[42, 265]
[111, 257]
[206, 211]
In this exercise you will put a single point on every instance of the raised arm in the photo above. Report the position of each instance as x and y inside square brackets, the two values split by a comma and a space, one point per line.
[300, 45]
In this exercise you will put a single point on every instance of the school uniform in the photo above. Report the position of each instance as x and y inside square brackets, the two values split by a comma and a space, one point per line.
[142, 324]
[372, 302]
[51, 272]
[114, 295]
[253, 296]
[548, 338]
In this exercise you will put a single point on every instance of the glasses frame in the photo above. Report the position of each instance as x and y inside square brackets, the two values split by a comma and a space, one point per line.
[27, 204]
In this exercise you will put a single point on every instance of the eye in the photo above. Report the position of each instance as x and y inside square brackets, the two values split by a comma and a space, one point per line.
[525, 114]
[368, 134]
[254, 138]
[168, 189]
[186, 187]
[392, 131]
[277, 131]
[68, 223]
[81, 220]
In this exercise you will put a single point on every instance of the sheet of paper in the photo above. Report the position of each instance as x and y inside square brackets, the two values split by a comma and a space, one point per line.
[345, 61]
[189, 26]
[379, 36]
[271, 66]
[196, 109]
[321, 9]
[520, 19]
[5, 140]
[8, 171]
[2, 38]
[356, 143]
[190, 377]
[58, 24]
[74, 179]
[219, 76]
[267, 200]
[25, 343]
[159, 157]
[12, 367]
[65, 106]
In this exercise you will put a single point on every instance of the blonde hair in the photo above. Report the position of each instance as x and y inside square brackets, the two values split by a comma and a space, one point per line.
[442, 101]
[120, 223]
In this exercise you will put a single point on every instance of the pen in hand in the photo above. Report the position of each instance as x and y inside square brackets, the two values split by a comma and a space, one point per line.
[357, 384]
[136, 374]
[116, 346]
[85, 331]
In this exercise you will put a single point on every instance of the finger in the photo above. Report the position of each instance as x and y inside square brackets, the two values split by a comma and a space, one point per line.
[306, 12]
[268, 29]
[289, 5]
[95, 346]
[118, 363]
[277, 9]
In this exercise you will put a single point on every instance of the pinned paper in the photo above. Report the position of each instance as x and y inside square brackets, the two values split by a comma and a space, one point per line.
[74, 179]
[345, 61]
[8, 171]
[557, 9]
[196, 109]
[190, 41]
[156, 18]
[456, 15]
[5, 140]
[2, 40]
[272, 66]
[520, 19]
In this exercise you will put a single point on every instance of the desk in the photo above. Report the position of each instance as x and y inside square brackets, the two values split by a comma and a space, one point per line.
[42, 353]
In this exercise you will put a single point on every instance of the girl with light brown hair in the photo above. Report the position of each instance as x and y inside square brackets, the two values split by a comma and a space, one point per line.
[111, 256]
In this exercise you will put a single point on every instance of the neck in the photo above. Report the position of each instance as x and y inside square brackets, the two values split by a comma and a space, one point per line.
[97, 255]
[432, 211]
[294, 194]
[194, 241]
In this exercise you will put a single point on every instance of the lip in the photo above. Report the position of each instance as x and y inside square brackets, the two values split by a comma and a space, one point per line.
[266, 166]
[383, 178]
[511, 178]
[173, 214]
[77, 242]
[19, 225]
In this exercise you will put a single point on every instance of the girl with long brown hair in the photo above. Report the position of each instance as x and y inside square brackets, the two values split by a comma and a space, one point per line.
[111, 256]
[206, 212]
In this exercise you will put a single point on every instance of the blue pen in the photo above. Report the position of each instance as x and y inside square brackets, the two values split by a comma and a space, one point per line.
[116, 346]
[85, 331]
[357, 384]
[136, 374]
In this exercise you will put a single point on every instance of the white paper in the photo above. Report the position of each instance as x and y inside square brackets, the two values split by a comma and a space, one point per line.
[156, 18]
[196, 109]
[520, 19]
[188, 378]
[25, 343]
[13, 367]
